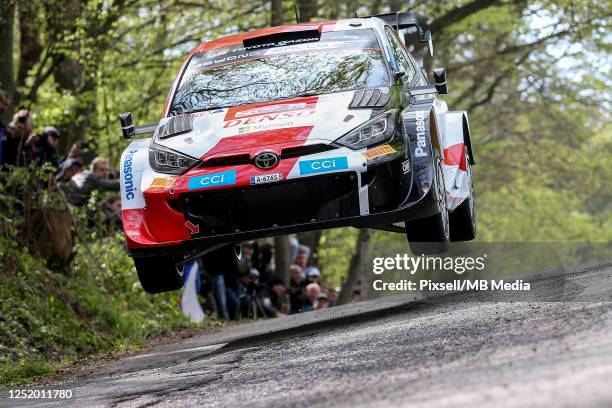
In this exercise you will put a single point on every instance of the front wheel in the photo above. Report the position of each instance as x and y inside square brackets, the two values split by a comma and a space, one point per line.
[463, 219]
[431, 235]
[159, 273]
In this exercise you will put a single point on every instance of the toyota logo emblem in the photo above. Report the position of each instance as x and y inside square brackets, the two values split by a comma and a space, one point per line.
[266, 160]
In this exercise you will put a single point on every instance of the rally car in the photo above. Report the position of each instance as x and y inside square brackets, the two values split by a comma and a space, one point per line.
[296, 128]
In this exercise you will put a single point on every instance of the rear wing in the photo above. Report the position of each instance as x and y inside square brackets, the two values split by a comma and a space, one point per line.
[406, 24]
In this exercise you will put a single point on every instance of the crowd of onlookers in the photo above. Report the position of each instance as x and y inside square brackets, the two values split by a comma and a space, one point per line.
[255, 287]
[78, 172]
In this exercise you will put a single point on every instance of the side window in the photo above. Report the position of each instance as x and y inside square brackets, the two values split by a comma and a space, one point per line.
[400, 56]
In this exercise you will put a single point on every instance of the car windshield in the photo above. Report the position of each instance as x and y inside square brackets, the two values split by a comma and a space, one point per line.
[338, 61]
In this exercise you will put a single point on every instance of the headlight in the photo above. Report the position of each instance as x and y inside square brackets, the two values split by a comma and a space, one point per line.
[168, 161]
[373, 131]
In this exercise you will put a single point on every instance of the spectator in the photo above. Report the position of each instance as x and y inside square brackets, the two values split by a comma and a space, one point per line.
[322, 301]
[78, 189]
[111, 208]
[67, 170]
[5, 103]
[313, 275]
[296, 289]
[333, 296]
[246, 263]
[17, 133]
[249, 303]
[42, 148]
[265, 264]
[293, 249]
[75, 151]
[278, 296]
[224, 277]
[303, 254]
[312, 291]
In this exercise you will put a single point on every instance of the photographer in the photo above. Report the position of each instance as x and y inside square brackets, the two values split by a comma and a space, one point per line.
[78, 189]
[42, 147]
[16, 135]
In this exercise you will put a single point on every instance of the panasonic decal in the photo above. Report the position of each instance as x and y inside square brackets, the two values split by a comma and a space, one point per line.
[128, 176]
[223, 178]
[323, 165]
[420, 150]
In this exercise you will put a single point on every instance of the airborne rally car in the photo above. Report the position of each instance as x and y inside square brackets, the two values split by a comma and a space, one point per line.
[297, 128]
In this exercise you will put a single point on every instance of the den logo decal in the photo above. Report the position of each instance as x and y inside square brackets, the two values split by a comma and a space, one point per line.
[323, 165]
[223, 178]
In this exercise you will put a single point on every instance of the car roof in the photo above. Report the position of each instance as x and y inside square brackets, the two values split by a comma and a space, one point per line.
[322, 26]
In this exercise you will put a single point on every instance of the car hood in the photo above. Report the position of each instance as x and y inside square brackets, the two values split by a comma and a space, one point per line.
[249, 129]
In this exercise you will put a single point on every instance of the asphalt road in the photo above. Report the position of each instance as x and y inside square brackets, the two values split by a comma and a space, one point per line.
[449, 351]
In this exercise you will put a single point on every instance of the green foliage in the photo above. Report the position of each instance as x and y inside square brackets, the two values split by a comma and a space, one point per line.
[52, 314]
[336, 248]
[25, 371]
[95, 305]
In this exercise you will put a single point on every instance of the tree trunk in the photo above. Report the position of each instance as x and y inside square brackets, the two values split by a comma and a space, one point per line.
[346, 294]
[30, 47]
[308, 9]
[311, 239]
[7, 78]
[52, 240]
[281, 257]
[276, 12]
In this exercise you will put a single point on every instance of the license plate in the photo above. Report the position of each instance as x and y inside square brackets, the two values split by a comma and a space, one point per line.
[266, 178]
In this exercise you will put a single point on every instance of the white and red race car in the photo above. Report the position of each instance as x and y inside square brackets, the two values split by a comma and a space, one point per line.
[297, 128]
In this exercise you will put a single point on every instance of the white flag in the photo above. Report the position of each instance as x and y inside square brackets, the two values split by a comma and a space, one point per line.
[189, 302]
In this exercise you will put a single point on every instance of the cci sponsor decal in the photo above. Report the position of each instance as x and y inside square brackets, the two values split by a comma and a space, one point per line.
[223, 178]
[323, 165]
[420, 151]
[128, 176]
[378, 151]
[406, 166]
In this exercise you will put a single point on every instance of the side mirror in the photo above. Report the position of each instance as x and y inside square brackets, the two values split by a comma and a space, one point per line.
[440, 80]
[127, 125]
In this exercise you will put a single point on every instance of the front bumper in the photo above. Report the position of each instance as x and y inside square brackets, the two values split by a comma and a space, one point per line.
[368, 192]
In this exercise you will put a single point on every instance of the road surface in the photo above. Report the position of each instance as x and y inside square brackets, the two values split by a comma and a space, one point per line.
[444, 352]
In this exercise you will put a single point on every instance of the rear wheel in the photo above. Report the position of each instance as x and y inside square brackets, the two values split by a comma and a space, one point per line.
[463, 219]
[431, 235]
[159, 273]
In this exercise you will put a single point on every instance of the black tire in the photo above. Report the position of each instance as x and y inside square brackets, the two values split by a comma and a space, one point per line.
[159, 274]
[431, 235]
[463, 219]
